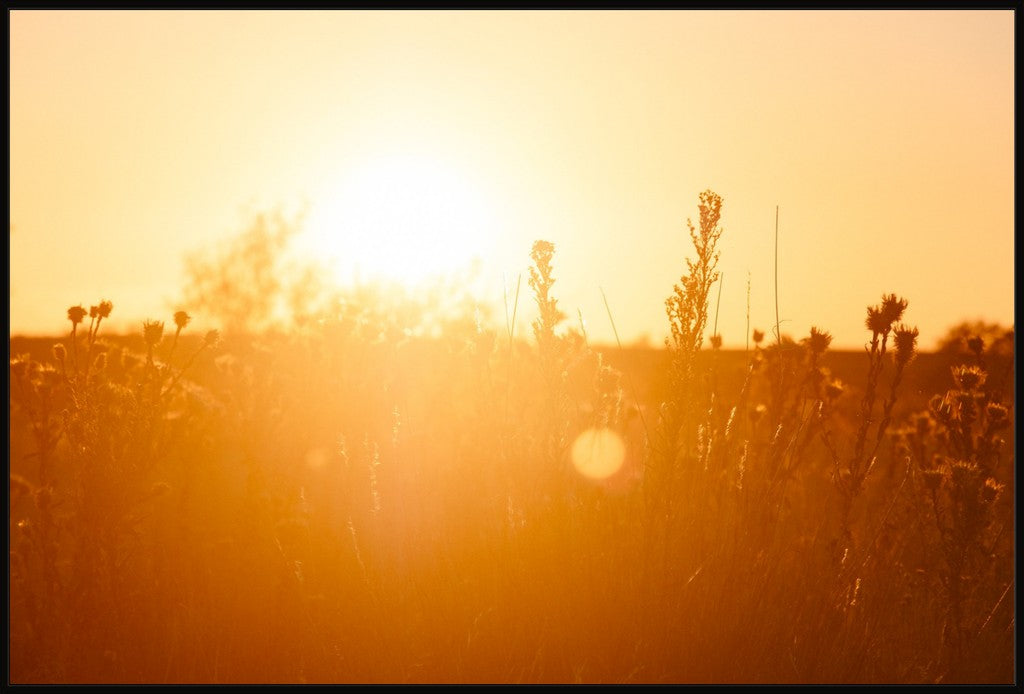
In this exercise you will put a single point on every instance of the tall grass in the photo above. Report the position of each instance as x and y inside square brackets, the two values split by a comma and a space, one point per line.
[358, 499]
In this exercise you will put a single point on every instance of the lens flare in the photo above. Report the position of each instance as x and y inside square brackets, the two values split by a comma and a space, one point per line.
[598, 453]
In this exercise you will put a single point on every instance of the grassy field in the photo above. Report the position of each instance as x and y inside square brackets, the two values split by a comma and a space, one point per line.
[346, 501]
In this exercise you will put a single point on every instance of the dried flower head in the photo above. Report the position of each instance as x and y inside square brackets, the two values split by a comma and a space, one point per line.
[212, 338]
[76, 314]
[976, 344]
[875, 322]
[963, 473]
[60, 352]
[152, 332]
[104, 309]
[181, 319]
[758, 336]
[94, 311]
[906, 344]
[880, 318]
[990, 492]
[716, 342]
[19, 366]
[818, 341]
[968, 378]
[998, 415]
[893, 308]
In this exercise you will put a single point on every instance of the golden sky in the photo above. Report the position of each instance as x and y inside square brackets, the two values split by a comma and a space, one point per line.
[884, 137]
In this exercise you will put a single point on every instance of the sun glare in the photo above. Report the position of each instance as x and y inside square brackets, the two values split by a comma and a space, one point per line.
[598, 453]
[400, 218]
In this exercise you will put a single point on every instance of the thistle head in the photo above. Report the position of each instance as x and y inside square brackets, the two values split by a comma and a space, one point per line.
[152, 332]
[906, 344]
[893, 308]
[716, 342]
[818, 341]
[998, 415]
[880, 318]
[758, 336]
[963, 473]
[990, 492]
[968, 378]
[19, 366]
[181, 319]
[104, 309]
[76, 314]
[875, 322]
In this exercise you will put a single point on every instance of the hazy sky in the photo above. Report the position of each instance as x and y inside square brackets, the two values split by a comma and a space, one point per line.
[884, 137]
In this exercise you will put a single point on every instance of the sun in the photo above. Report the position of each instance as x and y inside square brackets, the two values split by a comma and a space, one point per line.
[401, 218]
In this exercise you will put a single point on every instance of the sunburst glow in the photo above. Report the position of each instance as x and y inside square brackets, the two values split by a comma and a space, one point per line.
[403, 218]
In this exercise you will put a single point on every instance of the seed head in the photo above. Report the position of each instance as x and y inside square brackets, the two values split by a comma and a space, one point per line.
[76, 314]
[880, 318]
[893, 308]
[818, 341]
[103, 310]
[152, 332]
[968, 378]
[875, 322]
[716, 342]
[758, 336]
[998, 415]
[181, 319]
[60, 352]
[906, 344]
[976, 344]
[212, 338]
[94, 311]
[19, 367]
[963, 472]
[990, 492]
